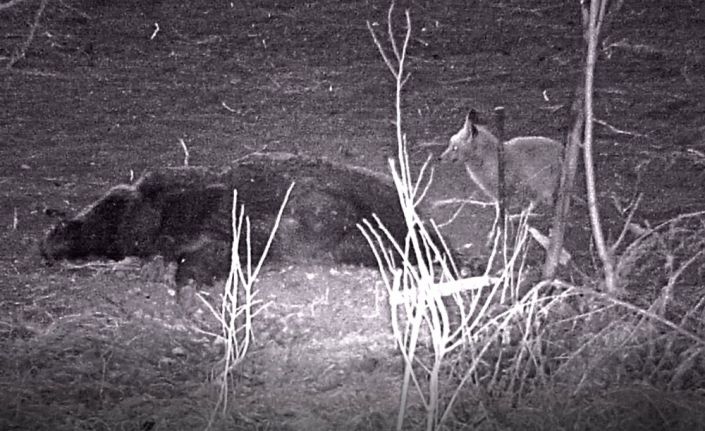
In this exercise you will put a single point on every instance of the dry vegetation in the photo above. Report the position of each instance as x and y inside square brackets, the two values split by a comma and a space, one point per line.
[99, 94]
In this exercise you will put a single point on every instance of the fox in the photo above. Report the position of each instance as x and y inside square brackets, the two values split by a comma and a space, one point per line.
[532, 163]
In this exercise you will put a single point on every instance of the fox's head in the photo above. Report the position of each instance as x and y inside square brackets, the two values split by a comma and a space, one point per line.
[472, 139]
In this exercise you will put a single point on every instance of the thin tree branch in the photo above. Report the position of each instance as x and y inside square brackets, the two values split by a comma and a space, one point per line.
[20, 53]
[10, 4]
[605, 253]
[378, 44]
[390, 32]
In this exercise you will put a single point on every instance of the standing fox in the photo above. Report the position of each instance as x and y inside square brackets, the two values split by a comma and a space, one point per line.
[532, 163]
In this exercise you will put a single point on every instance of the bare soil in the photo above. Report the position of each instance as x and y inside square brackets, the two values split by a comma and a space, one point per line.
[102, 96]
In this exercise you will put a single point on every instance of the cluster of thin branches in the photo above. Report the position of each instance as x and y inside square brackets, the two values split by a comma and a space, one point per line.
[497, 332]
[457, 318]
[239, 305]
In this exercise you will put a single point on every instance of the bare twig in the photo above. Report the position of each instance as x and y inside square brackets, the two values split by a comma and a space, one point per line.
[236, 318]
[20, 53]
[627, 224]
[597, 12]
[455, 201]
[459, 80]
[155, 32]
[569, 169]
[398, 71]
[187, 155]
[75, 10]
[405, 181]
[499, 117]
[227, 107]
[616, 130]
[453, 217]
[594, 19]
[10, 4]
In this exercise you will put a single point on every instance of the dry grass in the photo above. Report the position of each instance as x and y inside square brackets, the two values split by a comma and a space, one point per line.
[110, 350]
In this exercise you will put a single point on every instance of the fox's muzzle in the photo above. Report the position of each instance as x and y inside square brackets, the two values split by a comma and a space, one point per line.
[449, 155]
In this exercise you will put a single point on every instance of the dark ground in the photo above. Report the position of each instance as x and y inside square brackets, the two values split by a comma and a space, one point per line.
[97, 101]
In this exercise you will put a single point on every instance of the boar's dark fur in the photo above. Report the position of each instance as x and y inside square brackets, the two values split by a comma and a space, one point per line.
[184, 215]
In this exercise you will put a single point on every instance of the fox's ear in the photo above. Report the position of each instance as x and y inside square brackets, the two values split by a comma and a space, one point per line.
[473, 117]
[470, 122]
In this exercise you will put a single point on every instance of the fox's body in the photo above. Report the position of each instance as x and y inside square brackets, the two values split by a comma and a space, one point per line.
[532, 163]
